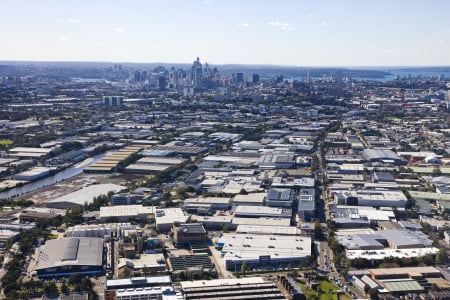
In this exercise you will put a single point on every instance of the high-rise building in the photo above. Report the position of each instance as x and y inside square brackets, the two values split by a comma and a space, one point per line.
[239, 78]
[197, 74]
[137, 76]
[255, 79]
[162, 83]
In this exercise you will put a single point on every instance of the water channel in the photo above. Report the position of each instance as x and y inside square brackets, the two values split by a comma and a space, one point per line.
[63, 175]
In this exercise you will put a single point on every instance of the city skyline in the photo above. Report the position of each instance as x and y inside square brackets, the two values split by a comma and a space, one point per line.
[297, 33]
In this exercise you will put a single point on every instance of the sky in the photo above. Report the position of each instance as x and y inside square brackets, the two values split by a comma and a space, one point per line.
[276, 32]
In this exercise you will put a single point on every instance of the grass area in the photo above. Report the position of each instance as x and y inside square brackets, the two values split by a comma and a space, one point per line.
[5, 142]
[327, 292]
[345, 297]
[310, 294]
[429, 170]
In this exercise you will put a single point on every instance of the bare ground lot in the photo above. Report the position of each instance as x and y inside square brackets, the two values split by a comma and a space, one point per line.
[43, 195]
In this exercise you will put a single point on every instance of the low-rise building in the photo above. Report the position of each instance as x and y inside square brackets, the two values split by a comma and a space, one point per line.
[261, 211]
[125, 213]
[156, 282]
[263, 251]
[277, 197]
[240, 288]
[64, 257]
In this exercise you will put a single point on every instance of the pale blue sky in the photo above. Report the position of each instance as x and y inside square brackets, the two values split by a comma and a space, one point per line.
[284, 32]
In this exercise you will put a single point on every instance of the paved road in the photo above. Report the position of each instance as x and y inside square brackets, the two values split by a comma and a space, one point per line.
[220, 264]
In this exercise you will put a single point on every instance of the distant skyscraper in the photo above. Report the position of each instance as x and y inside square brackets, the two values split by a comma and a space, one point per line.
[137, 76]
[197, 74]
[255, 78]
[162, 83]
[239, 78]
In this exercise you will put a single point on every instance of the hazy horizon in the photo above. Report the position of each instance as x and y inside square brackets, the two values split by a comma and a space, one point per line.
[297, 33]
[187, 64]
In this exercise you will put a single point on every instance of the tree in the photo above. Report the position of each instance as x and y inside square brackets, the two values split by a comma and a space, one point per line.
[50, 287]
[86, 284]
[436, 172]
[64, 288]
[126, 272]
[167, 189]
[318, 229]
[243, 192]
[75, 278]
[244, 268]
[373, 293]
[441, 257]
[73, 216]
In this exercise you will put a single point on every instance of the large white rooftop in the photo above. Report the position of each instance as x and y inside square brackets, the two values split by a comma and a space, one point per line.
[69, 252]
[87, 194]
[252, 246]
[262, 211]
[125, 210]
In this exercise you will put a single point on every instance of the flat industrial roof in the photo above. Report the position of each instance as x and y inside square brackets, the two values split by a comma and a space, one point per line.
[170, 215]
[161, 160]
[208, 200]
[71, 251]
[402, 285]
[412, 271]
[87, 194]
[221, 282]
[31, 150]
[238, 246]
[153, 280]
[250, 198]
[125, 210]
[147, 167]
[260, 210]
[260, 229]
[264, 221]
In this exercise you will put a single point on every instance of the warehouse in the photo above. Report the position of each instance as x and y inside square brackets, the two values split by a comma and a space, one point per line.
[161, 160]
[373, 198]
[145, 169]
[120, 286]
[249, 199]
[214, 222]
[277, 197]
[64, 257]
[262, 221]
[84, 195]
[166, 217]
[30, 152]
[125, 213]
[33, 174]
[240, 288]
[208, 203]
[384, 243]
[99, 230]
[277, 160]
[382, 156]
[263, 251]
[262, 211]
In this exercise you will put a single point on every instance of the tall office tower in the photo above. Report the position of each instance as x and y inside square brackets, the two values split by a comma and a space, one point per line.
[197, 74]
[255, 79]
[137, 76]
[173, 79]
[239, 78]
[162, 82]
[144, 76]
